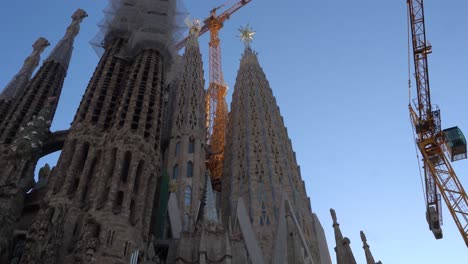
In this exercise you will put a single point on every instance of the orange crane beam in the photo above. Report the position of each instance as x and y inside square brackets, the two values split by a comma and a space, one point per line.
[440, 178]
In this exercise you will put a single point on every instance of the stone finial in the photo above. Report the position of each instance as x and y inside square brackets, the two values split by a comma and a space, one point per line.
[32, 61]
[63, 51]
[194, 25]
[333, 215]
[363, 237]
[74, 27]
[40, 44]
[21, 79]
[365, 246]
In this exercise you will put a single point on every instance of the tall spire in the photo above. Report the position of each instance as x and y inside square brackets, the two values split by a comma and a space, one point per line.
[209, 210]
[185, 157]
[21, 79]
[195, 27]
[344, 254]
[369, 257]
[47, 82]
[260, 165]
[63, 51]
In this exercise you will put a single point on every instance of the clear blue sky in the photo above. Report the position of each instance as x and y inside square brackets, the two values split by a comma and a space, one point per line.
[339, 72]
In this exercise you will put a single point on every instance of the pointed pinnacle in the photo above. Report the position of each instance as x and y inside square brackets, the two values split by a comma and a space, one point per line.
[333, 215]
[364, 238]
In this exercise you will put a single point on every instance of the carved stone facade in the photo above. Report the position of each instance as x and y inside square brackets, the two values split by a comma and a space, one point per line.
[131, 183]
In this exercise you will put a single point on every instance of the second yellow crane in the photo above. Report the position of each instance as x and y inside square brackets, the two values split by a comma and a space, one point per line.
[436, 145]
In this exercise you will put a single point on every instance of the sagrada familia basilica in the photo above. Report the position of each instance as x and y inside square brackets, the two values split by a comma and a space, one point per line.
[132, 183]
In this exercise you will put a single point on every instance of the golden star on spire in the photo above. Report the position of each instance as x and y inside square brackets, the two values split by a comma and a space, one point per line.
[246, 34]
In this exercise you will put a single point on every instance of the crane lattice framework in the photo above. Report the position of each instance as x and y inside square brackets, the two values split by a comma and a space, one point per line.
[216, 106]
[434, 143]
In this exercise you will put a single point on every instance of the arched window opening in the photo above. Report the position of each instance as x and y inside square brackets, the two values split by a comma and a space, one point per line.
[126, 166]
[175, 172]
[118, 202]
[189, 169]
[191, 146]
[136, 184]
[89, 179]
[132, 213]
[177, 149]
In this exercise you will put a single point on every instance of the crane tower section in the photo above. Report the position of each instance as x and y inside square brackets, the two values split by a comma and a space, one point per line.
[216, 106]
[432, 141]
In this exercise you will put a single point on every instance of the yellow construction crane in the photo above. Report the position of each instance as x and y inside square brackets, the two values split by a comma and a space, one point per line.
[216, 107]
[438, 147]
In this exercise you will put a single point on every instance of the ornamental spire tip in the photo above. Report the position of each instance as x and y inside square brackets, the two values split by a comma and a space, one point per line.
[246, 34]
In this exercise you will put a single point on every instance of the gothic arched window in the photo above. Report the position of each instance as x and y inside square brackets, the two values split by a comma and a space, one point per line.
[177, 148]
[189, 169]
[191, 146]
[175, 172]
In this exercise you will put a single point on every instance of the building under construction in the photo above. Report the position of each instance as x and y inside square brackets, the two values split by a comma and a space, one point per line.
[153, 168]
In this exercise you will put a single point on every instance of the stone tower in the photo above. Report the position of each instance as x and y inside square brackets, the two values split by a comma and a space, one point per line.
[98, 207]
[21, 79]
[366, 247]
[261, 169]
[26, 125]
[47, 82]
[185, 155]
[344, 254]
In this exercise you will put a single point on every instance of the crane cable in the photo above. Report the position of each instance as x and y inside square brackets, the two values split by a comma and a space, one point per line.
[409, 100]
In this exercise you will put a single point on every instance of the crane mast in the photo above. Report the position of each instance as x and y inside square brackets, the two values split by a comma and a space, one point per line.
[432, 141]
[216, 106]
